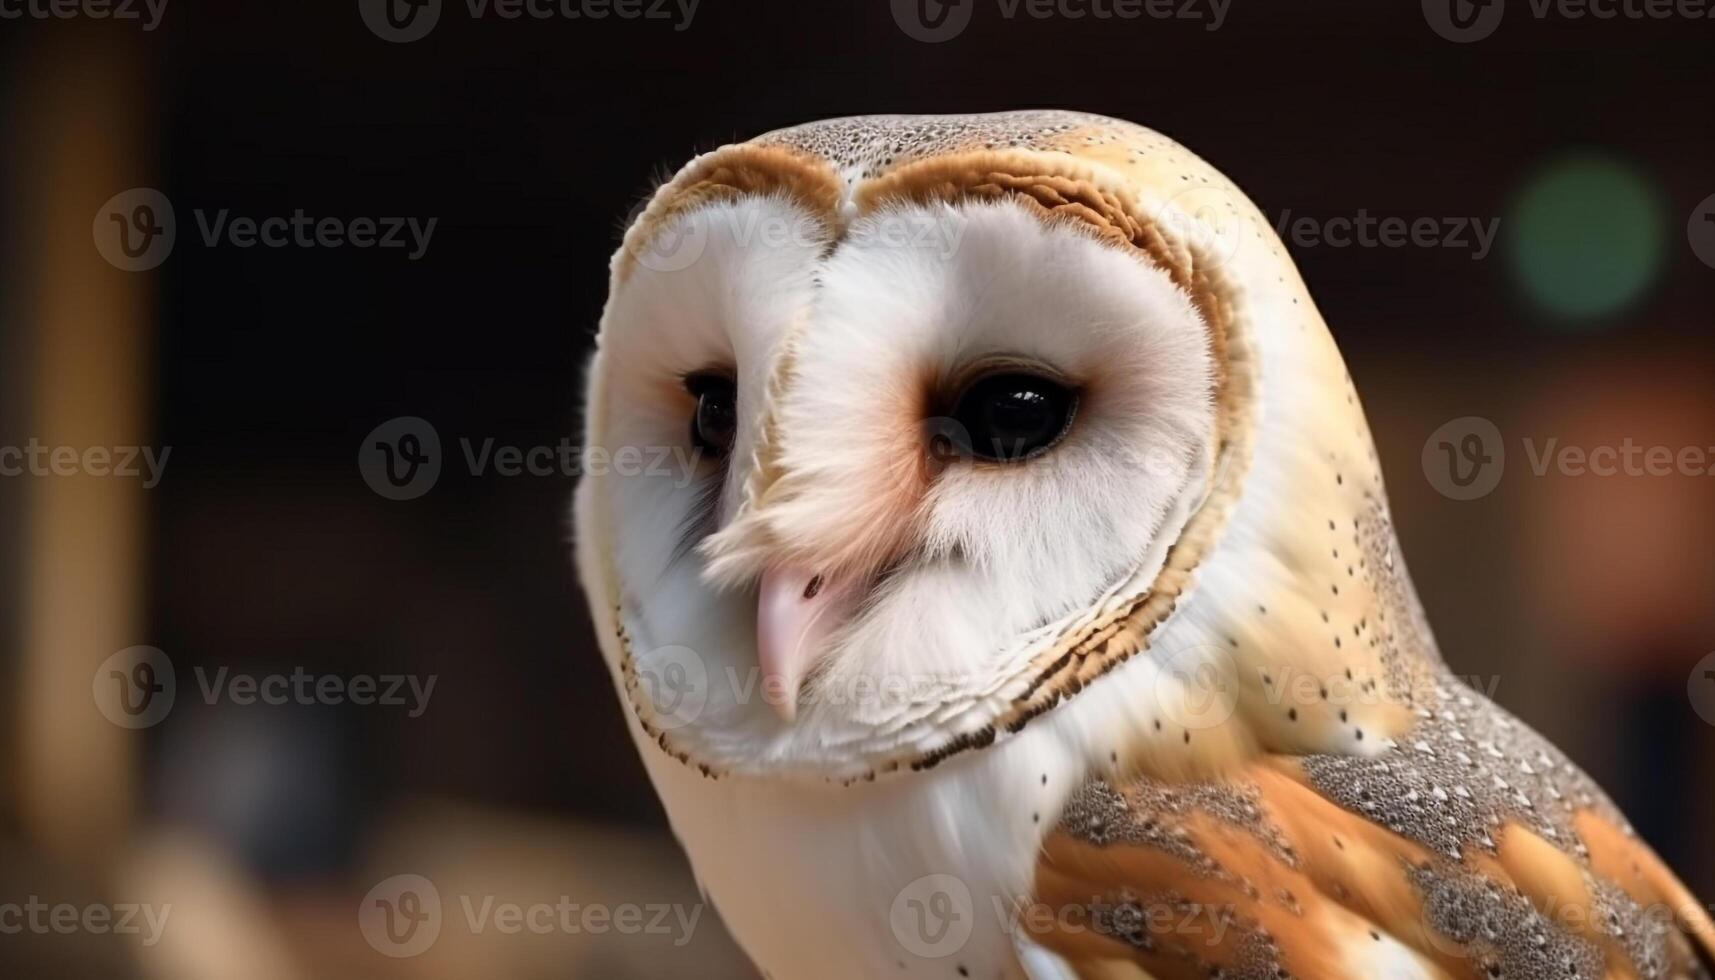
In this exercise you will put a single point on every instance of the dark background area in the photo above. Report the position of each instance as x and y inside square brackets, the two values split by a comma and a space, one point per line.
[529, 141]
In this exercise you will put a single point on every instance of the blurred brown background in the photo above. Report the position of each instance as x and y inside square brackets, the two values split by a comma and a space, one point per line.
[1581, 600]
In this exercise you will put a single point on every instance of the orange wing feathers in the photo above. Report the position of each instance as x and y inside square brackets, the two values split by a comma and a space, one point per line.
[1470, 849]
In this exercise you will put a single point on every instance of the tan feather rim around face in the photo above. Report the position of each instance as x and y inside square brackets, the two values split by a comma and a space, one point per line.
[1056, 187]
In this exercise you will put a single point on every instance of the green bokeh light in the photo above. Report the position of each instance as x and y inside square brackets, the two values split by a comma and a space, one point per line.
[1588, 237]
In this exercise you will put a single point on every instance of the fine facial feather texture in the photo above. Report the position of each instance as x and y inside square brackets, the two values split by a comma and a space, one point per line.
[983, 559]
[1228, 645]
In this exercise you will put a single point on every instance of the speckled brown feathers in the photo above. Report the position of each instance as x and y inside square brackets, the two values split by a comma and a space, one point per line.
[1470, 849]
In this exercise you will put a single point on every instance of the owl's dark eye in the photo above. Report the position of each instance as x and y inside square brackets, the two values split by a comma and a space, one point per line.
[1010, 417]
[715, 422]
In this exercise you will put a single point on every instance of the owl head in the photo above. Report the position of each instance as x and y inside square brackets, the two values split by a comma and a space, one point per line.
[959, 405]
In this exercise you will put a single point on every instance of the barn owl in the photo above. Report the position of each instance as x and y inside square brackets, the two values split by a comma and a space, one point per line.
[1033, 608]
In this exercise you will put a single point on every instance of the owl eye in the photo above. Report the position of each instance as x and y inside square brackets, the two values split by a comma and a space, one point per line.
[714, 425]
[1010, 417]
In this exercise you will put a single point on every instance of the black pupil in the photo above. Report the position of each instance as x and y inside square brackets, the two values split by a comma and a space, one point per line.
[716, 422]
[1013, 416]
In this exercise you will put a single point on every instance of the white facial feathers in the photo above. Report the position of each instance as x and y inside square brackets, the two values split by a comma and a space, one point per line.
[844, 351]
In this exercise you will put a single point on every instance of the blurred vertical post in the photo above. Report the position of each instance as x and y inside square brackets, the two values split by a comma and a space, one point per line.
[77, 376]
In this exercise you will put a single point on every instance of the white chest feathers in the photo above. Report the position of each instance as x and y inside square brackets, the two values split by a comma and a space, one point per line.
[917, 876]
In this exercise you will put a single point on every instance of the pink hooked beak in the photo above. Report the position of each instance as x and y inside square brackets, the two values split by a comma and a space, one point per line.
[796, 612]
